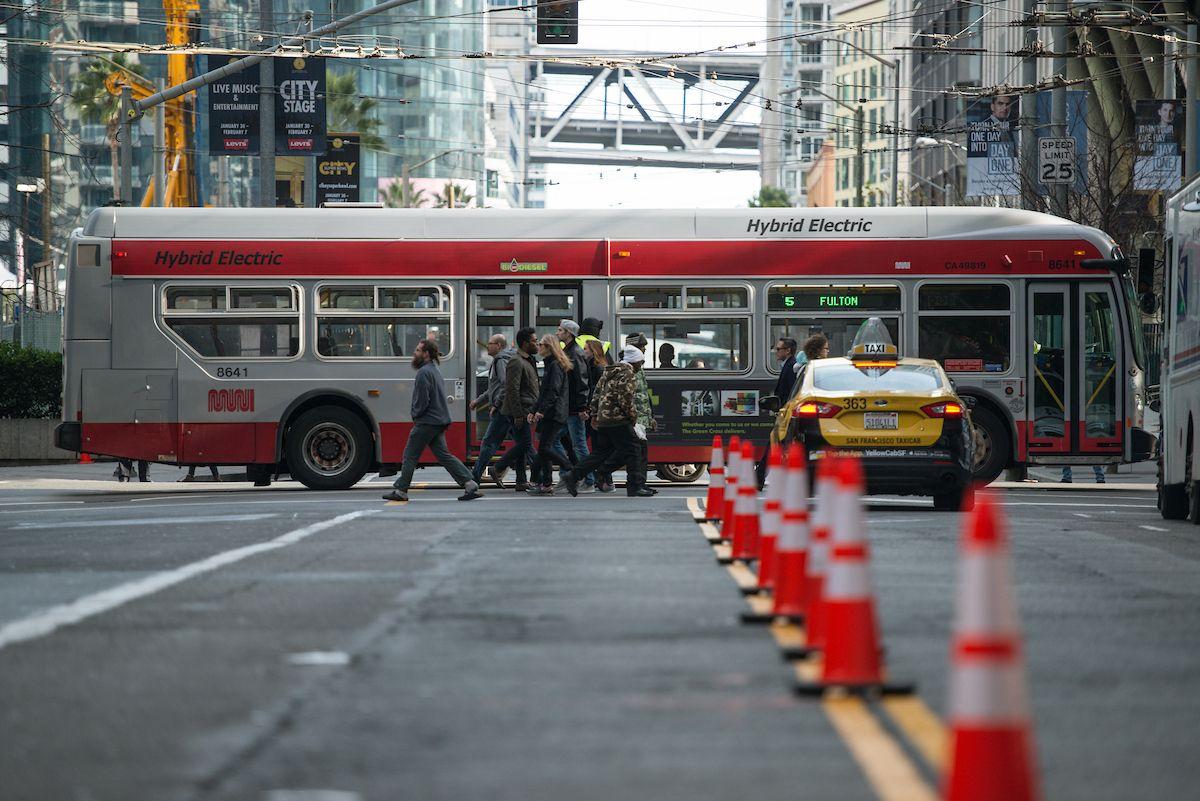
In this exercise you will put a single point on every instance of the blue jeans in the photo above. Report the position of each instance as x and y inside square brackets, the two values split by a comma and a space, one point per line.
[497, 430]
[577, 429]
[1096, 471]
[521, 453]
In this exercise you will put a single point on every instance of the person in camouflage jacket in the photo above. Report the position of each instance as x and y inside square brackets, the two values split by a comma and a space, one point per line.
[613, 412]
[638, 467]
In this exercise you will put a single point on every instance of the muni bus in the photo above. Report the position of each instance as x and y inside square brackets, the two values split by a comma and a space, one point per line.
[280, 339]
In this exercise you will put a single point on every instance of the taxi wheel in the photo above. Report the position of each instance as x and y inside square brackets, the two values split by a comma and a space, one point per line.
[991, 445]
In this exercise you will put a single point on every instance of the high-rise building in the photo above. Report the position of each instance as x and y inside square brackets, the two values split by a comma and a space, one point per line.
[509, 95]
[799, 119]
[863, 82]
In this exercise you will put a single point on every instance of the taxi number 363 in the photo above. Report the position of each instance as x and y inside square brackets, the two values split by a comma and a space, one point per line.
[233, 372]
[856, 403]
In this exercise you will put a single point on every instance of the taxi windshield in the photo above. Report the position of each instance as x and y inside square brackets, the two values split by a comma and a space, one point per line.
[846, 377]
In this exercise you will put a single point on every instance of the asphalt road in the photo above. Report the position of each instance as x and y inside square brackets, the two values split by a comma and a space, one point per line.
[207, 641]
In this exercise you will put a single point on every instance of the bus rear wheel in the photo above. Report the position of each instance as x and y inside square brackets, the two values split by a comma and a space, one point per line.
[683, 473]
[991, 445]
[328, 448]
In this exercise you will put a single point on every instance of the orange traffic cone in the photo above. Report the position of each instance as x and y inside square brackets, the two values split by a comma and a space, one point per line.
[791, 554]
[744, 543]
[991, 744]
[818, 558]
[714, 503]
[771, 518]
[732, 478]
[852, 652]
[85, 458]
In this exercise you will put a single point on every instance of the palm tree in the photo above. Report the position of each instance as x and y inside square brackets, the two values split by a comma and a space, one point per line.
[96, 105]
[460, 194]
[348, 111]
[395, 196]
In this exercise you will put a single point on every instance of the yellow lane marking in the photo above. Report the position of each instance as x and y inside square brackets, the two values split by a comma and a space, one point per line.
[760, 605]
[710, 532]
[395, 503]
[723, 551]
[921, 727]
[890, 773]
[695, 506]
[809, 671]
[743, 576]
[788, 635]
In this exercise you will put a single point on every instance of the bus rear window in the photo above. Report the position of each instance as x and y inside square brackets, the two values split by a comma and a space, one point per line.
[832, 376]
[239, 337]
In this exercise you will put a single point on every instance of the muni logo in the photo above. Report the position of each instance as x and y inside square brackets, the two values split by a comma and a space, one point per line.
[231, 400]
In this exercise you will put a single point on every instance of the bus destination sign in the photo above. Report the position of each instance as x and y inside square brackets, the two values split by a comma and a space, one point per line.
[826, 298]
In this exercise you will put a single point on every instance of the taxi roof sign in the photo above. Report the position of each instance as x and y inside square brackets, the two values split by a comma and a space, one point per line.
[873, 341]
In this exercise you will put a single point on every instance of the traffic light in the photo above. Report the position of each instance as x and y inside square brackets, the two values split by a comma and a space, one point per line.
[558, 22]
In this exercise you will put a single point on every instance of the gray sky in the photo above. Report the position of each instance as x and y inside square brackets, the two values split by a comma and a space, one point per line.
[658, 26]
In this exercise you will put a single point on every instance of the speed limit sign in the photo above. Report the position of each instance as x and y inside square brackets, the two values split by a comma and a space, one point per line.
[1056, 160]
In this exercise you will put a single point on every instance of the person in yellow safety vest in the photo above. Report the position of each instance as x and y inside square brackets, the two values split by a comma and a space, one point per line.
[590, 328]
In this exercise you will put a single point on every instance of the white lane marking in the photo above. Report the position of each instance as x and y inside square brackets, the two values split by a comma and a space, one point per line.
[1081, 514]
[311, 795]
[50, 620]
[38, 503]
[142, 521]
[319, 658]
[1066, 503]
[1154, 528]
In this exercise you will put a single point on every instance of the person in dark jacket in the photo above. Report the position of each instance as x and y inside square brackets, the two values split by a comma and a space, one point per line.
[551, 411]
[493, 399]
[431, 418]
[785, 351]
[578, 381]
[521, 388]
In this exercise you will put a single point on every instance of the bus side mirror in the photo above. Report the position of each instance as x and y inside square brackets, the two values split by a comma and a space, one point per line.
[769, 403]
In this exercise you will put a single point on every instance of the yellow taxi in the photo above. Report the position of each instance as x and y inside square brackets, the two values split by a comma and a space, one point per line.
[900, 415]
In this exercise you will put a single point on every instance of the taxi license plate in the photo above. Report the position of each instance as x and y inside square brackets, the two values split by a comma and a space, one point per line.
[881, 421]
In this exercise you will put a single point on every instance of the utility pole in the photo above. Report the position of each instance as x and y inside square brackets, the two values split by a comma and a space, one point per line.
[266, 112]
[1028, 118]
[160, 153]
[309, 200]
[47, 225]
[1191, 113]
[1058, 101]
[859, 165]
[126, 134]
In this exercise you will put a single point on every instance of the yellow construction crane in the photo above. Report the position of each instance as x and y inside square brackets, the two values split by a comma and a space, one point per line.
[179, 114]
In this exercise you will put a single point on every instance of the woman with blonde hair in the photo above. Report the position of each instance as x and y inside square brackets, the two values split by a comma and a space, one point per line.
[550, 412]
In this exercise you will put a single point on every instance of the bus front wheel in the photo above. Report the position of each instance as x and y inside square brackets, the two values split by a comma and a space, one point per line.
[328, 448]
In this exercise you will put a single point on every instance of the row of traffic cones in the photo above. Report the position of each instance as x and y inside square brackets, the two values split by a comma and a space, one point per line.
[817, 572]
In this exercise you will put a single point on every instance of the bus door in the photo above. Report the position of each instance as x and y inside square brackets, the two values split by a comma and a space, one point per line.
[1049, 418]
[493, 309]
[1076, 374]
[1100, 367]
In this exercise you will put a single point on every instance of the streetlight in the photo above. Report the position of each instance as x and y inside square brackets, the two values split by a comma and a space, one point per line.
[858, 121]
[928, 142]
[895, 67]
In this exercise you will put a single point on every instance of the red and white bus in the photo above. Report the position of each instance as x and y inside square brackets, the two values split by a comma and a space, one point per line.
[281, 338]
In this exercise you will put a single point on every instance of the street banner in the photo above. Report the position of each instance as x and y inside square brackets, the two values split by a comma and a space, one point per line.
[1077, 111]
[339, 170]
[992, 147]
[1159, 164]
[300, 106]
[233, 111]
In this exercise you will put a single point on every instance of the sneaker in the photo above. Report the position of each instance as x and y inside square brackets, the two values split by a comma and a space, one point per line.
[534, 489]
[1099, 479]
[561, 487]
[607, 489]
[1066, 481]
[640, 493]
[396, 495]
[497, 476]
[186, 479]
[585, 488]
[470, 495]
[522, 488]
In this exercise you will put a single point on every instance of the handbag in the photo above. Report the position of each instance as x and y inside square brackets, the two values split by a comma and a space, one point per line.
[639, 431]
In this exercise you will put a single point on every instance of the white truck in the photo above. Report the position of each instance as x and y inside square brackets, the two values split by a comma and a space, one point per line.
[1179, 396]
